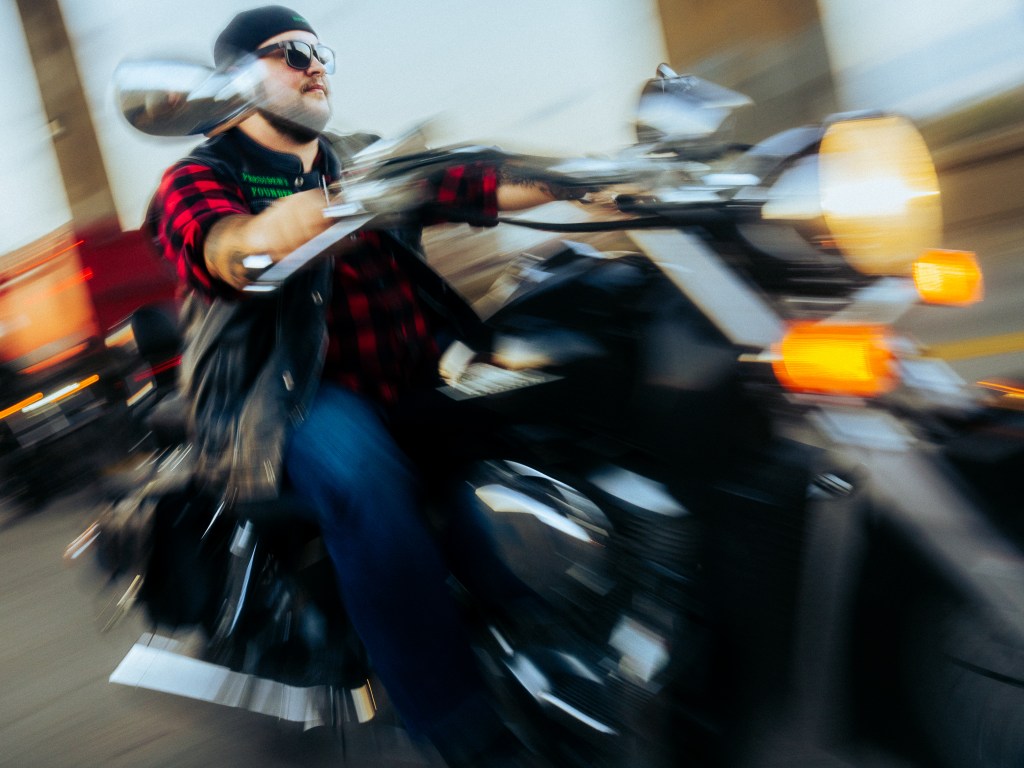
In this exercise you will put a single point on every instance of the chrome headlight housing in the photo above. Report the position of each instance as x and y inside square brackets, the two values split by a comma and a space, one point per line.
[862, 186]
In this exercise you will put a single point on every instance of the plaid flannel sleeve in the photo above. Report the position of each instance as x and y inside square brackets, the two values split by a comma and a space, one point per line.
[190, 200]
[464, 193]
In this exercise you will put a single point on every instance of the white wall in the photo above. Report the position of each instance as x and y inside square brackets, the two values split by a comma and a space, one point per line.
[34, 203]
[550, 76]
[923, 57]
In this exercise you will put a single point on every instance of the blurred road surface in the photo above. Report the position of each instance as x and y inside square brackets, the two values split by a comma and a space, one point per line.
[57, 709]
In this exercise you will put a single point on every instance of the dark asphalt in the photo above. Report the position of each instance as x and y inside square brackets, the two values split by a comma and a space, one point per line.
[57, 709]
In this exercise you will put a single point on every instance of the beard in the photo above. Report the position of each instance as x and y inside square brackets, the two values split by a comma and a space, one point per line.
[299, 132]
[296, 114]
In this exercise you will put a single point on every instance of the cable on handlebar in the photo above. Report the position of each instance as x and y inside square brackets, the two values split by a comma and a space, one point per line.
[669, 219]
[647, 222]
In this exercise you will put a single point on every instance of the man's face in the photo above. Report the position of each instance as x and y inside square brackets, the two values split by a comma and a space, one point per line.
[298, 101]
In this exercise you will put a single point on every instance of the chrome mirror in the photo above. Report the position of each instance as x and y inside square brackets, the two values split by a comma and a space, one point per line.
[684, 111]
[176, 98]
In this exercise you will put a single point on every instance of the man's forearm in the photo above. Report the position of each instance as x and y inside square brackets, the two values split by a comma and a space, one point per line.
[228, 242]
[516, 196]
[275, 232]
[516, 192]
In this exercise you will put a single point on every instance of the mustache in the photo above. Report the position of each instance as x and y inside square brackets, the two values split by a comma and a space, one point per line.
[317, 82]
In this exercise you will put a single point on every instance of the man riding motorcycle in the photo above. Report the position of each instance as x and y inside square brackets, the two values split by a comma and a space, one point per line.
[298, 390]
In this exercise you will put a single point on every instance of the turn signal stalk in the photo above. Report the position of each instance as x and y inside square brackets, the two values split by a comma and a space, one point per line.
[851, 360]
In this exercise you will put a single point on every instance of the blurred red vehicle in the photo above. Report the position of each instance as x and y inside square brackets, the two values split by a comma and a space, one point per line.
[66, 378]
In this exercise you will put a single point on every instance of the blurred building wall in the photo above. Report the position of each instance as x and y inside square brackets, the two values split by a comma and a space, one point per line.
[67, 112]
[34, 202]
[923, 57]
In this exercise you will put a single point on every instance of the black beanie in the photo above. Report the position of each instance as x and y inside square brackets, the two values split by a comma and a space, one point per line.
[250, 28]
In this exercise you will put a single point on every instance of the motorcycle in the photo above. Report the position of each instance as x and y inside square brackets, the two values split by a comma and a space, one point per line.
[765, 528]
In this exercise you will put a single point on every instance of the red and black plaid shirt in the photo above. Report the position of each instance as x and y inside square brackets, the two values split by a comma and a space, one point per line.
[380, 342]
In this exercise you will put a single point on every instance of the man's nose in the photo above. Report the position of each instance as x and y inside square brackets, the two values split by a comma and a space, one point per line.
[316, 67]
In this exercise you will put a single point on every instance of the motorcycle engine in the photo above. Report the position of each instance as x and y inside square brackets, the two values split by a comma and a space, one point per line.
[618, 566]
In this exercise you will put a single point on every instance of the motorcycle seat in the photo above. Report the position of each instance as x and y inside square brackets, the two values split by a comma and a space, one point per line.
[288, 513]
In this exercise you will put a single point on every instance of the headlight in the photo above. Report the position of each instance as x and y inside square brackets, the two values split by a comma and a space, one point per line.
[879, 193]
[869, 192]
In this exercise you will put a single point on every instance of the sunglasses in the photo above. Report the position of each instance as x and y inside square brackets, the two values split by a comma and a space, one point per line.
[299, 54]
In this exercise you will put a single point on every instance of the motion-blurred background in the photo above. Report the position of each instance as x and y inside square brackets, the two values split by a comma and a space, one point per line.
[531, 76]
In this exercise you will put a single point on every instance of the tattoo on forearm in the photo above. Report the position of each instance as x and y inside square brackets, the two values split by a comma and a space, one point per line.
[236, 268]
[223, 259]
[510, 176]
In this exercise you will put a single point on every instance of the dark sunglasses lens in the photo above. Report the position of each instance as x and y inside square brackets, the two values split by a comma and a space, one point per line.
[298, 55]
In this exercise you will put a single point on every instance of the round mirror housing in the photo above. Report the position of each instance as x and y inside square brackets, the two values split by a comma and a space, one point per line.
[175, 98]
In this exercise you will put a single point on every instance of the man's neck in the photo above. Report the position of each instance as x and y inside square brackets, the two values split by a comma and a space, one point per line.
[258, 129]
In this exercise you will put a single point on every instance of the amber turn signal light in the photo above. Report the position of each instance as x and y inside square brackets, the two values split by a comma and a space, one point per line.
[851, 360]
[948, 277]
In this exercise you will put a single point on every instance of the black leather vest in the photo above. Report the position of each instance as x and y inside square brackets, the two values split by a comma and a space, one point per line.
[243, 384]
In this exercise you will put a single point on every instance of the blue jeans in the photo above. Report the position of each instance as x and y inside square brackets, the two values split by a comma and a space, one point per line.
[344, 462]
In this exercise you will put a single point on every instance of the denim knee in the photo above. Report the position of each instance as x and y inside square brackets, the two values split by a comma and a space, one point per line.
[343, 454]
